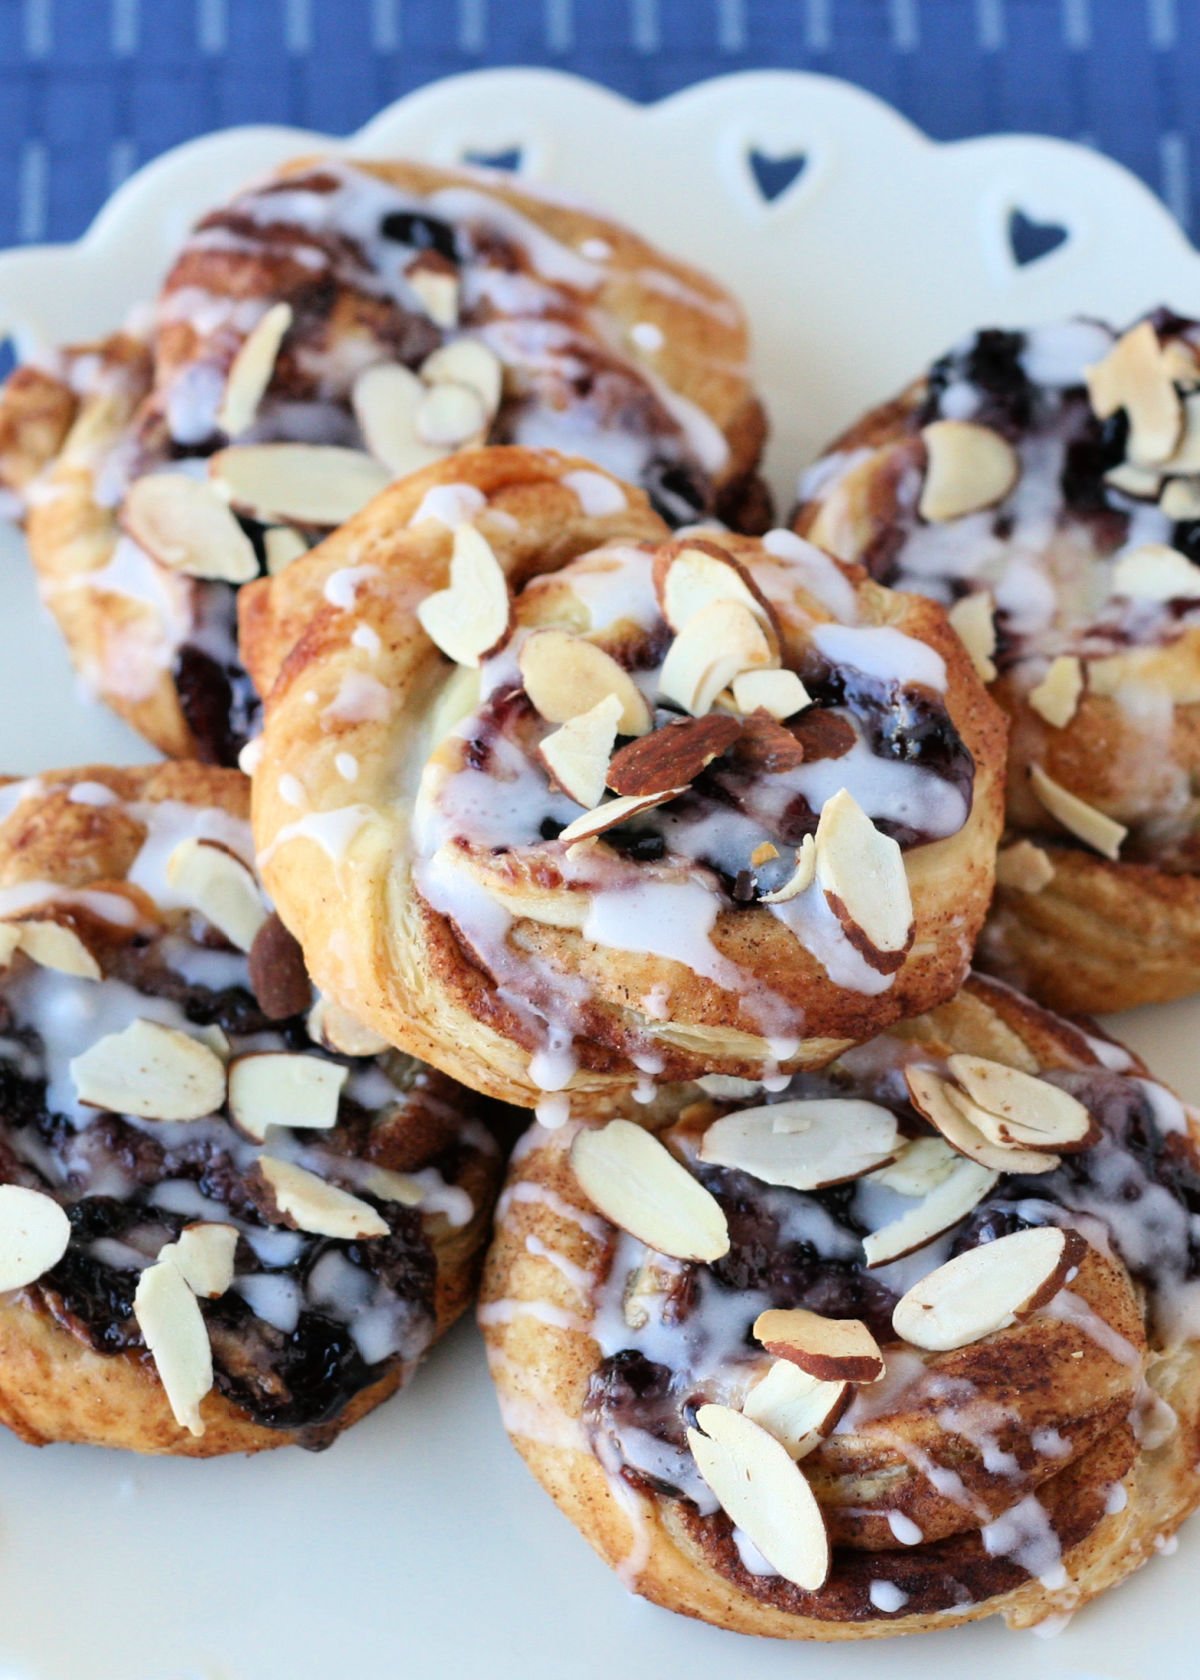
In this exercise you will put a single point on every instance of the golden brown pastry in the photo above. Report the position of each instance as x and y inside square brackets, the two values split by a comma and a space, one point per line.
[906, 1343]
[806, 771]
[218, 1233]
[1044, 486]
[335, 325]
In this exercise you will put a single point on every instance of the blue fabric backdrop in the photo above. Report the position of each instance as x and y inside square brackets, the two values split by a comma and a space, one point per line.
[91, 88]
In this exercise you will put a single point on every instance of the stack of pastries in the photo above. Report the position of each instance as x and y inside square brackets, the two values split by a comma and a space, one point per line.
[545, 829]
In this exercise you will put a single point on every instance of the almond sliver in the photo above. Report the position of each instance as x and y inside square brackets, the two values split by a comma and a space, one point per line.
[862, 874]
[470, 618]
[974, 623]
[220, 886]
[175, 1333]
[151, 1071]
[251, 370]
[798, 1410]
[34, 1235]
[284, 1088]
[637, 1184]
[970, 468]
[987, 1288]
[1096, 830]
[945, 1206]
[297, 483]
[565, 675]
[577, 754]
[183, 524]
[830, 1349]
[307, 1202]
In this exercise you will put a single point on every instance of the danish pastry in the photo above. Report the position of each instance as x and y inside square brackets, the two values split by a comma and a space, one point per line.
[227, 1221]
[333, 326]
[1045, 486]
[908, 1342]
[806, 769]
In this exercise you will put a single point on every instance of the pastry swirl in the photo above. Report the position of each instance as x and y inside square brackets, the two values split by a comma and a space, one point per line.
[262, 1235]
[456, 893]
[1019, 1454]
[1043, 485]
[333, 325]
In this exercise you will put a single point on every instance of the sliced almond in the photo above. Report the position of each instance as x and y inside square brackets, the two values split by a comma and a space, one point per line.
[920, 1167]
[612, 813]
[672, 756]
[1136, 376]
[389, 1186]
[1141, 484]
[221, 887]
[1155, 572]
[1033, 1110]
[282, 544]
[780, 694]
[987, 1288]
[385, 400]
[251, 370]
[297, 483]
[151, 1071]
[308, 1203]
[577, 754]
[831, 1349]
[718, 643]
[945, 1206]
[637, 1184]
[467, 361]
[435, 281]
[57, 945]
[964, 1125]
[34, 1234]
[1024, 867]
[1181, 361]
[450, 416]
[1185, 458]
[798, 1410]
[974, 623]
[969, 468]
[334, 1028]
[565, 675]
[1180, 499]
[1056, 697]
[470, 618]
[801, 878]
[763, 1493]
[204, 1254]
[10, 939]
[284, 1088]
[806, 1143]
[173, 1327]
[1076, 816]
[184, 525]
[696, 575]
[862, 875]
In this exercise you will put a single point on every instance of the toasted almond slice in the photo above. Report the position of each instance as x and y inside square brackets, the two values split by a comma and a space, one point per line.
[862, 875]
[220, 886]
[806, 1143]
[297, 483]
[766, 852]
[673, 756]
[251, 369]
[435, 281]
[831, 1349]
[308, 1203]
[470, 618]
[965, 1127]
[635, 1182]
[34, 1234]
[385, 400]
[184, 525]
[1141, 484]
[204, 1254]
[450, 416]
[283, 1088]
[1076, 816]
[798, 1410]
[920, 1167]
[389, 1186]
[1155, 572]
[577, 754]
[780, 694]
[334, 1028]
[565, 675]
[763, 1493]
[1136, 376]
[726, 1088]
[1035, 1111]
[282, 544]
[172, 1324]
[698, 574]
[969, 468]
[718, 643]
[467, 361]
[802, 877]
[987, 1288]
[57, 945]
[10, 939]
[941, 1210]
[973, 621]
[1056, 697]
[1024, 867]
[612, 813]
[152, 1071]
[1180, 499]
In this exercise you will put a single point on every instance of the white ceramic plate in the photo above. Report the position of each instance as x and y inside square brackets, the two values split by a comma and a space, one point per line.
[419, 1540]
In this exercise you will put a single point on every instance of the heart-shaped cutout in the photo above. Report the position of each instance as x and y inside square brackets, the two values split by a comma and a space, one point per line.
[774, 175]
[510, 159]
[1029, 241]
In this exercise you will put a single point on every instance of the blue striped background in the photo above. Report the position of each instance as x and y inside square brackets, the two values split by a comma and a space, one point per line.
[91, 88]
